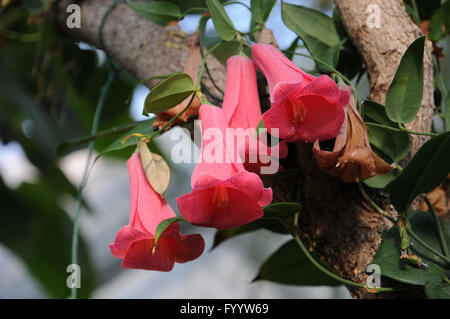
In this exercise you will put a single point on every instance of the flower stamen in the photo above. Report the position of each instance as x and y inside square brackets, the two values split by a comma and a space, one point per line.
[220, 197]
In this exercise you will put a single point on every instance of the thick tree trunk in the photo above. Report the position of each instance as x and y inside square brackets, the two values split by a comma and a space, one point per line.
[340, 228]
[382, 48]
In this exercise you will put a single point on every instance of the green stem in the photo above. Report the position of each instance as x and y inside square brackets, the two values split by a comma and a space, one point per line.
[404, 129]
[374, 205]
[202, 68]
[438, 226]
[322, 62]
[111, 131]
[424, 244]
[401, 130]
[319, 266]
[100, 104]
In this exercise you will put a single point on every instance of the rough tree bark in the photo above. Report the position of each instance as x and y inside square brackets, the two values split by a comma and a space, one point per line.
[341, 229]
[139, 46]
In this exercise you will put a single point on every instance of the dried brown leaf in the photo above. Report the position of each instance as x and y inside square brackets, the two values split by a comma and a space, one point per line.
[352, 159]
[155, 167]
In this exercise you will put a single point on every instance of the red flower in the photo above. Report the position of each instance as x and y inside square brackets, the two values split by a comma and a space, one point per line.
[304, 108]
[243, 113]
[134, 243]
[224, 195]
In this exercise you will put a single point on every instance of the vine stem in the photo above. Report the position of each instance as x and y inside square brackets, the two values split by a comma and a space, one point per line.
[373, 204]
[322, 268]
[109, 132]
[401, 130]
[424, 244]
[98, 110]
[438, 226]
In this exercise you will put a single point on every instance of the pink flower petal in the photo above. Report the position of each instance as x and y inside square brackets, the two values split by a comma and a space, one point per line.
[140, 256]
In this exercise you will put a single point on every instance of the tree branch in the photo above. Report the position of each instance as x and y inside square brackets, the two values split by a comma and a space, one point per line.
[139, 46]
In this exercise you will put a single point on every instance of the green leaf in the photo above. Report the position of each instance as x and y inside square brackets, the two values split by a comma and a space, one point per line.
[164, 225]
[404, 96]
[381, 181]
[424, 226]
[169, 93]
[439, 21]
[281, 210]
[447, 112]
[437, 290]
[317, 31]
[269, 221]
[395, 145]
[261, 10]
[288, 265]
[388, 258]
[222, 23]
[145, 128]
[388, 255]
[426, 170]
[307, 21]
[159, 12]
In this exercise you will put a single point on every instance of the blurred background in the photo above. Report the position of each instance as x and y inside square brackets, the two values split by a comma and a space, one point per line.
[49, 86]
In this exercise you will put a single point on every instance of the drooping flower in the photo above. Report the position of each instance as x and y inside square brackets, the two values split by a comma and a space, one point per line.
[134, 243]
[304, 107]
[243, 113]
[224, 195]
[352, 158]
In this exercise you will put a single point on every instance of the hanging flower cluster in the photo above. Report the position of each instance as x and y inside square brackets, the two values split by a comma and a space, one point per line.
[227, 191]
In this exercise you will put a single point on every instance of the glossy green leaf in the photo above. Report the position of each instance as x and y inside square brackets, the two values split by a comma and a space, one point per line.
[381, 181]
[159, 12]
[270, 221]
[261, 10]
[426, 170]
[169, 93]
[388, 255]
[388, 258]
[439, 22]
[145, 128]
[394, 145]
[222, 23]
[288, 265]
[423, 225]
[317, 31]
[404, 97]
[437, 290]
[281, 209]
[307, 21]
[162, 226]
